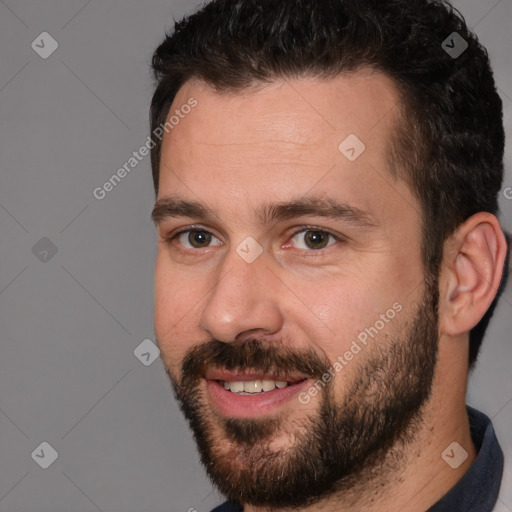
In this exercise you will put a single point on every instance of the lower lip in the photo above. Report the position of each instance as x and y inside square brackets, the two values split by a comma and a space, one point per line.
[251, 406]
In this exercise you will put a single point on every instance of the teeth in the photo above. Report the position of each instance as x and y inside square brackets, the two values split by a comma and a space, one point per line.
[251, 387]
[236, 387]
[268, 385]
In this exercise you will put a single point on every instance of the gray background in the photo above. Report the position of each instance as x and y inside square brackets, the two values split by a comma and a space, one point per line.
[69, 325]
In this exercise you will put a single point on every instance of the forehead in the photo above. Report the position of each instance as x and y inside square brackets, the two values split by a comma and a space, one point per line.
[289, 138]
[304, 111]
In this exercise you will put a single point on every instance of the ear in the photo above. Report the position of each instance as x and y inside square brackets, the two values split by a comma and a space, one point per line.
[471, 273]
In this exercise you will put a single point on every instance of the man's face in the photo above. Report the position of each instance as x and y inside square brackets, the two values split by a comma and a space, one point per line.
[299, 285]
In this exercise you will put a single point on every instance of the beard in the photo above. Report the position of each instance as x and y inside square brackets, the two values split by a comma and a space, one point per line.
[335, 448]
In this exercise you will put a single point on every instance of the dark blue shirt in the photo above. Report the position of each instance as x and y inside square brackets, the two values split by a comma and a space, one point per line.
[478, 489]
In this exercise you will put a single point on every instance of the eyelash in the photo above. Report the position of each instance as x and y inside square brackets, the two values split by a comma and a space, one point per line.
[169, 240]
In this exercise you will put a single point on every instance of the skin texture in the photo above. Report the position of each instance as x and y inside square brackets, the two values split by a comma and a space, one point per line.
[237, 151]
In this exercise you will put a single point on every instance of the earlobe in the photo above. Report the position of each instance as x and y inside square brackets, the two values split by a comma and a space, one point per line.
[473, 270]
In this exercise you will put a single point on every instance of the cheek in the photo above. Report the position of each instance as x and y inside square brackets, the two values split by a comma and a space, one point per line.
[347, 315]
[338, 307]
[174, 311]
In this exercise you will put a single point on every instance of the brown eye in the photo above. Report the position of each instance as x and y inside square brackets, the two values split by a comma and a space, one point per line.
[196, 239]
[199, 239]
[316, 239]
[313, 239]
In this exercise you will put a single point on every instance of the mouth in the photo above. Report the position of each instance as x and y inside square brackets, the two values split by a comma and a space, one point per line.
[251, 387]
[251, 394]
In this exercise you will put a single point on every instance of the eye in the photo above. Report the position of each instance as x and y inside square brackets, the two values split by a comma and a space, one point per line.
[305, 239]
[195, 238]
[313, 239]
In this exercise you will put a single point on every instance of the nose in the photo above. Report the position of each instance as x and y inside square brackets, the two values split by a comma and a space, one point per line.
[244, 301]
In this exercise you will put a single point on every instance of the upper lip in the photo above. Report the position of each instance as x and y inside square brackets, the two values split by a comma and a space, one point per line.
[250, 375]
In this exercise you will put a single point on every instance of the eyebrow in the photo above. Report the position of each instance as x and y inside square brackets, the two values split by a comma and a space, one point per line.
[173, 206]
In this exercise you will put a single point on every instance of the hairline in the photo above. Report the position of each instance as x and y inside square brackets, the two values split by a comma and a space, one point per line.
[397, 157]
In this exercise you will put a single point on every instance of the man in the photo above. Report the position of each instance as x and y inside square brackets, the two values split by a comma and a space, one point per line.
[329, 253]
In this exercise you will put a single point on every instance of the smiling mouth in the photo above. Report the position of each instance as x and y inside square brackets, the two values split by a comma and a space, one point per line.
[255, 387]
[249, 393]
[251, 382]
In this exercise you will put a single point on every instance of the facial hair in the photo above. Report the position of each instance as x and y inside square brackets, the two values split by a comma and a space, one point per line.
[332, 449]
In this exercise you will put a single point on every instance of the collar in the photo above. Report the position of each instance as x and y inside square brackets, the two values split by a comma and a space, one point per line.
[478, 489]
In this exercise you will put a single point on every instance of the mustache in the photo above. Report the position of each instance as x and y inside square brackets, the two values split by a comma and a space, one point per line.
[254, 354]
